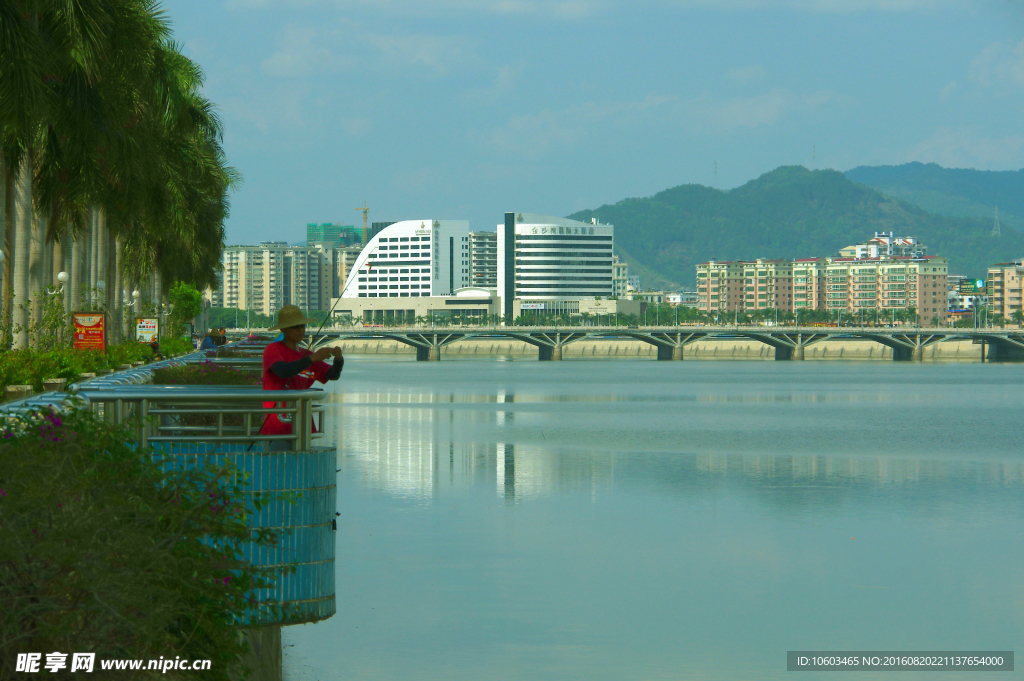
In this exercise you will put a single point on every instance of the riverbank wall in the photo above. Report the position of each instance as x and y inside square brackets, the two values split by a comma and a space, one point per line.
[740, 349]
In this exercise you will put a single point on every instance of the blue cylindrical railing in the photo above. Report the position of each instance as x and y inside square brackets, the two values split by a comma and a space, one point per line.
[307, 593]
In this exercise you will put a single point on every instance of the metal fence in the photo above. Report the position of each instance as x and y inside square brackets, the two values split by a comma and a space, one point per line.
[212, 415]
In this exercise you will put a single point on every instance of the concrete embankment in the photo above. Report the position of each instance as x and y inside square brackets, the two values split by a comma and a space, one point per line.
[716, 349]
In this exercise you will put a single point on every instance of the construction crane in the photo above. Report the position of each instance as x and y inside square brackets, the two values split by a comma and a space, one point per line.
[366, 234]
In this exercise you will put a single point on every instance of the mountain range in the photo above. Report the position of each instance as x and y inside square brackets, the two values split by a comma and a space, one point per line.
[951, 191]
[790, 212]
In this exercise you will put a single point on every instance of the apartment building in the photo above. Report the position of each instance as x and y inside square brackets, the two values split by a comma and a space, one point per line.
[849, 285]
[720, 286]
[767, 284]
[1006, 287]
[273, 274]
[483, 259]
[887, 284]
[620, 278]
[809, 283]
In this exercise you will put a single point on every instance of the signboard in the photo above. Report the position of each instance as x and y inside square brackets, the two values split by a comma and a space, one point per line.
[90, 331]
[531, 306]
[971, 287]
[147, 329]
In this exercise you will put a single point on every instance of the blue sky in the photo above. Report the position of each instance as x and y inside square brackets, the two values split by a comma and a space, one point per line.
[463, 109]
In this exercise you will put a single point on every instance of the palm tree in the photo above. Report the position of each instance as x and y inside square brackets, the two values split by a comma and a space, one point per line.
[22, 215]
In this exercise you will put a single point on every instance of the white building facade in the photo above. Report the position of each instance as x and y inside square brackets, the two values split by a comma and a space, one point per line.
[553, 262]
[412, 259]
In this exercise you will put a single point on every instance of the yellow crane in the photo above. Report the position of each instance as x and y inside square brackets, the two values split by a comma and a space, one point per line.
[366, 234]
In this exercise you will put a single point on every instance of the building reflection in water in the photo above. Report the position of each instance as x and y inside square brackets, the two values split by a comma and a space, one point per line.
[421, 445]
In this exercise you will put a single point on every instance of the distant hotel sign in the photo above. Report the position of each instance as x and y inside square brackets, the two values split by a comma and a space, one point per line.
[971, 287]
[434, 247]
[90, 331]
[531, 306]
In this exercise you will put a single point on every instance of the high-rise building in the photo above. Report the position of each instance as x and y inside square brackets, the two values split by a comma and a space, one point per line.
[266, 277]
[809, 283]
[483, 259]
[412, 258]
[377, 227]
[620, 278]
[333, 236]
[1005, 288]
[553, 262]
[324, 233]
[720, 286]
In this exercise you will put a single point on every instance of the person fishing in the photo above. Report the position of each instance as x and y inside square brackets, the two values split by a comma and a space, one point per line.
[286, 366]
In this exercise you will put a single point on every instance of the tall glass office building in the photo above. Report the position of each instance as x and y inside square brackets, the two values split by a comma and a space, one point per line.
[554, 262]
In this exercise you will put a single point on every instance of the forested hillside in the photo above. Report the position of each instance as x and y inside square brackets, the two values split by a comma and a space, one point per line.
[951, 191]
[790, 212]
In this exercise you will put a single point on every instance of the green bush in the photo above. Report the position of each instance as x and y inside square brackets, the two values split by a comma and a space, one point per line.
[32, 367]
[128, 353]
[104, 551]
[175, 347]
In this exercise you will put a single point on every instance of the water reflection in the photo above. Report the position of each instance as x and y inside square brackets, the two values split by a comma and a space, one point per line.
[419, 445]
[510, 520]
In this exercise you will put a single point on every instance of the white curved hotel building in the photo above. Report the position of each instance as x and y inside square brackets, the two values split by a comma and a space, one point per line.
[412, 259]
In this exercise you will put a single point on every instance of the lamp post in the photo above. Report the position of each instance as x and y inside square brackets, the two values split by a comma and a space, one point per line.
[62, 278]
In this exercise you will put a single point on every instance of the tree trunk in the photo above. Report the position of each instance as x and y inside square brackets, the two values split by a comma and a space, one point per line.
[94, 226]
[158, 299]
[118, 323]
[77, 272]
[37, 271]
[8, 245]
[57, 260]
[3, 238]
[101, 259]
[23, 214]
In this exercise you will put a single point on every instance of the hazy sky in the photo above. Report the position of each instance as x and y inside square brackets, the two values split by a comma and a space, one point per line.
[464, 109]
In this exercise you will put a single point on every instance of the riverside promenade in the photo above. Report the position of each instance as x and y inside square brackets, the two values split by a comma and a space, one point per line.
[671, 342]
[292, 492]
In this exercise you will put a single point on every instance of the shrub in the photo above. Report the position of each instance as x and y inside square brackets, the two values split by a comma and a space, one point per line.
[104, 551]
[128, 353]
[175, 347]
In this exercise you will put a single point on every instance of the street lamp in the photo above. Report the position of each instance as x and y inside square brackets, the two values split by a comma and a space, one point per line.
[62, 278]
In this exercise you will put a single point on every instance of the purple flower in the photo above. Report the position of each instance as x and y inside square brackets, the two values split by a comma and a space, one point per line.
[3, 492]
[226, 580]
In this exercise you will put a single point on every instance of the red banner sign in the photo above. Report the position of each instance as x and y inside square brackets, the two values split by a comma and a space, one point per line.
[90, 331]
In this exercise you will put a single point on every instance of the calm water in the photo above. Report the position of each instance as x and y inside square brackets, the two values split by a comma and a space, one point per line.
[668, 520]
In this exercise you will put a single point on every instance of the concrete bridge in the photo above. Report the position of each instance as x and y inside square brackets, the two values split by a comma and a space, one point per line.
[789, 342]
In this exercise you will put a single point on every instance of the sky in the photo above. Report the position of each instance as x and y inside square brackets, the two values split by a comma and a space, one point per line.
[466, 109]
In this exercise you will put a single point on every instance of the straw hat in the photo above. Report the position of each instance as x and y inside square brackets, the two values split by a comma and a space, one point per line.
[288, 316]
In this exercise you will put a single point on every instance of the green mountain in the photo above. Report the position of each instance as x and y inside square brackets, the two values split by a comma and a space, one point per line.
[790, 212]
[951, 191]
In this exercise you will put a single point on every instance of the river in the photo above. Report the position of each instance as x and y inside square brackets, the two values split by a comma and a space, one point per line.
[634, 519]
